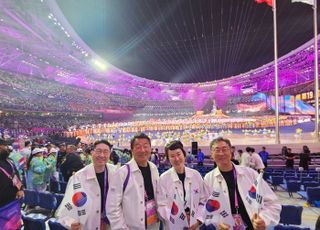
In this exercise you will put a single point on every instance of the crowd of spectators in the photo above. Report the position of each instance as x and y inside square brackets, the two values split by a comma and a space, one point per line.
[39, 94]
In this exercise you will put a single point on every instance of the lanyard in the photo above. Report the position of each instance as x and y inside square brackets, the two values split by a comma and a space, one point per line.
[236, 203]
[6, 173]
[106, 188]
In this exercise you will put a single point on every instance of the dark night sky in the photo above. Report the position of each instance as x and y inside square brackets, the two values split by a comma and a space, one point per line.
[188, 40]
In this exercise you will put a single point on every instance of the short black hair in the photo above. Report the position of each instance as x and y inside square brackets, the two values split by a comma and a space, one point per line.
[173, 145]
[26, 143]
[139, 136]
[102, 142]
[214, 141]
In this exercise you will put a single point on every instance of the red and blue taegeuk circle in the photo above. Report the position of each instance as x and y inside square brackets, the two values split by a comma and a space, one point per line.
[174, 209]
[212, 205]
[79, 199]
[252, 192]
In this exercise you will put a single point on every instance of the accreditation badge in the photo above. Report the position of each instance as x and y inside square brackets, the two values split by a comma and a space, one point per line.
[238, 222]
[16, 182]
[151, 209]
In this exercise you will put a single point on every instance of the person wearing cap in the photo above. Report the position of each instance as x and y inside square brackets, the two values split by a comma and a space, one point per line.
[233, 195]
[183, 188]
[94, 181]
[36, 170]
[51, 160]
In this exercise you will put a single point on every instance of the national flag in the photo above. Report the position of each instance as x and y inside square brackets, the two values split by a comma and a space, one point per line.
[178, 215]
[21, 162]
[216, 210]
[269, 2]
[255, 194]
[74, 205]
[310, 2]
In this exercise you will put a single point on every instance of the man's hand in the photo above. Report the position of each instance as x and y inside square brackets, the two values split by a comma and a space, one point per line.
[223, 226]
[258, 223]
[20, 194]
[75, 226]
[195, 226]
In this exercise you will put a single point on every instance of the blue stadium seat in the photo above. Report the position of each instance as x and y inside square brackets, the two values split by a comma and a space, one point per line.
[59, 198]
[30, 198]
[313, 194]
[306, 179]
[63, 186]
[311, 184]
[32, 223]
[291, 214]
[292, 186]
[47, 201]
[54, 186]
[276, 181]
[54, 225]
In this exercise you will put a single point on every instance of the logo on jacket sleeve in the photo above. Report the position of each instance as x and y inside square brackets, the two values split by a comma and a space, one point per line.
[79, 199]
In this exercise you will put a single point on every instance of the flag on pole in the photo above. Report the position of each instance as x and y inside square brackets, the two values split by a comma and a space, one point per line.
[255, 194]
[74, 206]
[216, 211]
[310, 2]
[178, 217]
[269, 2]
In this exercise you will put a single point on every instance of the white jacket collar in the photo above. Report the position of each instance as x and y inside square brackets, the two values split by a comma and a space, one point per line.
[91, 174]
[174, 173]
[217, 172]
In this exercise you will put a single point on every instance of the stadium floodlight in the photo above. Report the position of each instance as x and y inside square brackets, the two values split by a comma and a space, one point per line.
[100, 64]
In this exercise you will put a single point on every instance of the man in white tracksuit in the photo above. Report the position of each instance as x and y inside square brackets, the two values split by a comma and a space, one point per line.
[94, 180]
[231, 186]
[131, 200]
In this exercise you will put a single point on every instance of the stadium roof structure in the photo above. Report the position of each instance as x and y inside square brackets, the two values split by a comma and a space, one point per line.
[36, 40]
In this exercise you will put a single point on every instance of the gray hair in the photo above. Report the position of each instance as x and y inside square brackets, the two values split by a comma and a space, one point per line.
[218, 139]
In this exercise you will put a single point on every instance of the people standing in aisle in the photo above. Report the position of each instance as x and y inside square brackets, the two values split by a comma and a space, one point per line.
[305, 158]
[200, 157]
[132, 198]
[233, 156]
[255, 161]
[264, 156]
[234, 195]
[93, 181]
[183, 188]
[244, 161]
[290, 159]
